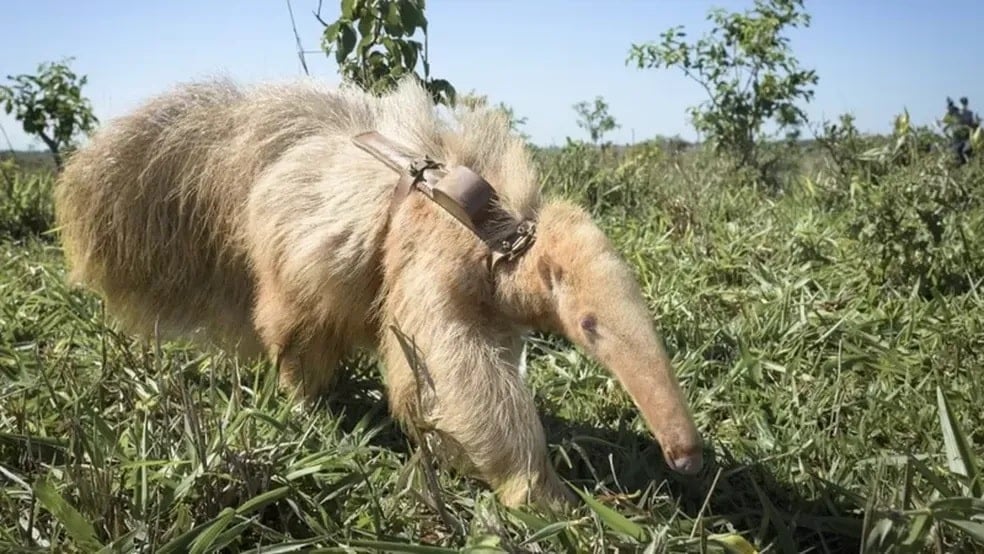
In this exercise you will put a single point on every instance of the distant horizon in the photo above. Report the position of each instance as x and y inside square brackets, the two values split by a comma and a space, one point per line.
[874, 60]
[39, 148]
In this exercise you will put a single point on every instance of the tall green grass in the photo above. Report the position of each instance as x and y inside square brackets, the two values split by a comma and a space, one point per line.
[830, 346]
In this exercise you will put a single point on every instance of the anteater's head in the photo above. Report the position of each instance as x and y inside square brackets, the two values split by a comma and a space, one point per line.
[574, 282]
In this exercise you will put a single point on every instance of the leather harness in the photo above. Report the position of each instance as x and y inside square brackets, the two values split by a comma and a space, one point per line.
[459, 190]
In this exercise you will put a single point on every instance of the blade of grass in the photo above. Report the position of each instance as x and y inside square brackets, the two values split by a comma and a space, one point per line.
[76, 525]
[613, 519]
[960, 455]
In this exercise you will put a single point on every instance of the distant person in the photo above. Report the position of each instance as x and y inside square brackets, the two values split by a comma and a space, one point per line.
[967, 116]
[961, 123]
[950, 121]
[969, 121]
[952, 117]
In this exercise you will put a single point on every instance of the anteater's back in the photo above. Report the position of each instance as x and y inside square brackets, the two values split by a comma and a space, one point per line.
[171, 211]
[150, 212]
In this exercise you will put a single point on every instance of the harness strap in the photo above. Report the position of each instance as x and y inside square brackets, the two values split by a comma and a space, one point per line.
[459, 191]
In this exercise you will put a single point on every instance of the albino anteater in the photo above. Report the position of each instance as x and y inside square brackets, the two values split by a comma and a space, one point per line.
[251, 218]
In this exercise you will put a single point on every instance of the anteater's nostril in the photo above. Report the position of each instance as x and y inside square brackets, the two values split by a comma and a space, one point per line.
[689, 462]
[688, 465]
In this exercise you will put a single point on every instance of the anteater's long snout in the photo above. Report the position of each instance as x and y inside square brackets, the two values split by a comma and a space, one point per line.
[654, 389]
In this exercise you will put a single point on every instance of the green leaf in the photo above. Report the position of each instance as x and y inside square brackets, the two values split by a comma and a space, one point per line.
[409, 49]
[261, 500]
[918, 528]
[286, 547]
[76, 525]
[413, 17]
[229, 535]
[347, 42]
[974, 529]
[181, 542]
[123, 543]
[330, 34]
[396, 72]
[963, 505]
[734, 543]
[613, 519]
[530, 520]
[394, 22]
[205, 540]
[382, 546]
[365, 43]
[958, 450]
[51, 449]
[367, 26]
[348, 9]
[546, 532]
[215, 525]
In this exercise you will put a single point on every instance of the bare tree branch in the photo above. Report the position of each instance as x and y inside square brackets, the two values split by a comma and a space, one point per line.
[317, 15]
[297, 37]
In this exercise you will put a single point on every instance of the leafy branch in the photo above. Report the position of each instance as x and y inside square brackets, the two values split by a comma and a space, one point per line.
[50, 106]
[373, 44]
[746, 68]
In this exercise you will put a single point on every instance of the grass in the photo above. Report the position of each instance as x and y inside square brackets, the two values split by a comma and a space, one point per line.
[836, 380]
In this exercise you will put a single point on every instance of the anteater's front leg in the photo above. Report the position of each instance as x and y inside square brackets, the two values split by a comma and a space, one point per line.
[473, 397]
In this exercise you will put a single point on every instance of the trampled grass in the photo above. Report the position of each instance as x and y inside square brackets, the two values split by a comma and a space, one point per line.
[843, 407]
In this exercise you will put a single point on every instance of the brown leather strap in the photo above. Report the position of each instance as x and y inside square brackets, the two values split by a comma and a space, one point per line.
[460, 191]
[464, 194]
[385, 150]
[411, 169]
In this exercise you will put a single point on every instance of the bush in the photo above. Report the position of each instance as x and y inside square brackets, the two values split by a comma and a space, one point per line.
[918, 226]
[911, 209]
[26, 206]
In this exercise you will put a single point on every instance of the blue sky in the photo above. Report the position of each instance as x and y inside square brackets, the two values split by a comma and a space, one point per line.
[874, 57]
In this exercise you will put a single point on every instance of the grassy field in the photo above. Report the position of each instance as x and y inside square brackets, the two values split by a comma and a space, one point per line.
[829, 332]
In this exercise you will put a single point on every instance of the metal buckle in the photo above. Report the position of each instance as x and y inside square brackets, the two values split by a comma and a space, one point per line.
[521, 240]
[419, 165]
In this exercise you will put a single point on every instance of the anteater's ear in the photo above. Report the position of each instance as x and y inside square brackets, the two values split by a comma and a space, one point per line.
[550, 272]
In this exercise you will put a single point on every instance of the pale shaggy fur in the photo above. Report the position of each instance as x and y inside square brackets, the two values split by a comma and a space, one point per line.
[247, 217]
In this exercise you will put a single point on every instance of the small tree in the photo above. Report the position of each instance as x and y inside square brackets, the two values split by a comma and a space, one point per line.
[746, 68]
[373, 45]
[595, 119]
[50, 106]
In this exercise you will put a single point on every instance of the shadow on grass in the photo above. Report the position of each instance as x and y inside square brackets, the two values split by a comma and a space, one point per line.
[620, 461]
[747, 496]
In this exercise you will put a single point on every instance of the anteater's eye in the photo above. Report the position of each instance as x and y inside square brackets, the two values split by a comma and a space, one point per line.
[589, 324]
